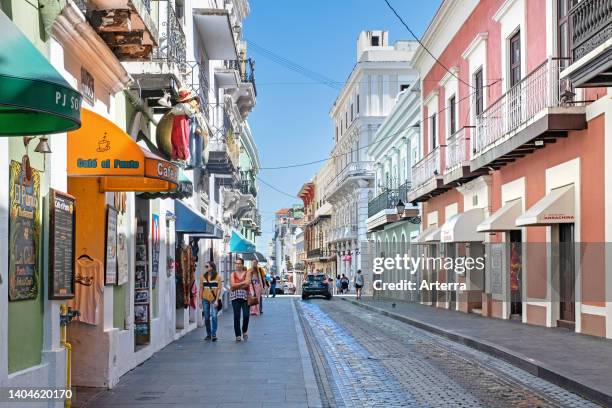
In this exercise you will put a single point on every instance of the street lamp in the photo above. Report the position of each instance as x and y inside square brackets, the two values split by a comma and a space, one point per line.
[400, 207]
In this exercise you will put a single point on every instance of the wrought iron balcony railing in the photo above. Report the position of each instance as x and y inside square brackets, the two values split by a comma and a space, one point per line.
[539, 90]
[314, 253]
[458, 148]
[247, 183]
[248, 74]
[426, 168]
[172, 43]
[591, 25]
[402, 191]
[384, 201]
[353, 169]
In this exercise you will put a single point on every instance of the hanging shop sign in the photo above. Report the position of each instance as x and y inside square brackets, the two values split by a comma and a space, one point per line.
[62, 219]
[110, 259]
[155, 242]
[24, 232]
[87, 86]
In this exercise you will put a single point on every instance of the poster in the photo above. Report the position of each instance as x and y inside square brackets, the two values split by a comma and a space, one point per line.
[62, 218]
[24, 232]
[123, 271]
[110, 259]
[155, 249]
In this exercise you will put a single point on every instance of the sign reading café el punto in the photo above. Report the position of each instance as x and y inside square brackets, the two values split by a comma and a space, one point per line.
[101, 149]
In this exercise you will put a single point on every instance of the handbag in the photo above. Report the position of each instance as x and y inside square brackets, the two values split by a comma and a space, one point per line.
[219, 304]
[252, 300]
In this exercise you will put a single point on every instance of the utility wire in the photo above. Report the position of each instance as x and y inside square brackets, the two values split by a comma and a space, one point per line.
[277, 189]
[415, 125]
[425, 48]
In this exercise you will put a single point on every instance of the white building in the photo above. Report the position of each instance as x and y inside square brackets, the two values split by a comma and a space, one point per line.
[382, 71]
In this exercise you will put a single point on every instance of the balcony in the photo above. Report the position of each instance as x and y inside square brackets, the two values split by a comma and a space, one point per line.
[167, 67]
[247, 92]
[591, 28]
[345, 233]
[215, 33]
[534, 112]
[223, 152]
[247, 183]
[457, 163]
[426, 176]
[353, 175]
[126, 26]
[381, 210]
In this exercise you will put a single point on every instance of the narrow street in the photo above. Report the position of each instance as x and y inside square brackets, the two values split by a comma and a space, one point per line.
[331, 354]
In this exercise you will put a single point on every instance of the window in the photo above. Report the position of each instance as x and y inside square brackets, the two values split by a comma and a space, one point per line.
[564, 38]
[351, 112]
[346, 119]
[515, 59]
[452, 115]
[432, 132]
[336, 133]
[357, 103]
[375, 41]
[403, 87]
[478, 93]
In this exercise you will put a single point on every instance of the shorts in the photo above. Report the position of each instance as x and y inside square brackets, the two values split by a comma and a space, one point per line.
[358, 286]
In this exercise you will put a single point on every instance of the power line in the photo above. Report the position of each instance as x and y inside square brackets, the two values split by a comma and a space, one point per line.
[414, 125]
[277, 189]
[425, 48]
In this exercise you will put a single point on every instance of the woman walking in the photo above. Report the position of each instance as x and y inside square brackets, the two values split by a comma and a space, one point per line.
[210, 295]
[240, 280]
[257, 288]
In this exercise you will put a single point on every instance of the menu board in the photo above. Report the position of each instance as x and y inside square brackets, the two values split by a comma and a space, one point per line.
[110, 259]
[62, 218]
[24, 231]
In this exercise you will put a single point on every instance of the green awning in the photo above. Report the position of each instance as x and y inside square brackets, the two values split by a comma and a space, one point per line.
[34, 98]
[183, 190]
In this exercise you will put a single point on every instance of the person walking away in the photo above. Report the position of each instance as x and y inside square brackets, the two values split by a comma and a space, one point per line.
[256, 288]
[358, 284]
[261, 273]
[338, 284]
[273, 286]
[240, 280]
[211, 296]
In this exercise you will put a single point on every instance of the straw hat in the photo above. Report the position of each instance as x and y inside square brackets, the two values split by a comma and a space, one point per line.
[186, 95]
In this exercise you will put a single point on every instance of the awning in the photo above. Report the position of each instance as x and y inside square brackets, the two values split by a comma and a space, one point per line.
[192, 222]
[503, 219]
[34, 98]
[216, 33]
[240, 244]
[555, 208]
[101, 149]
[184, 190]
[254, 256]
[432, 231]
[461, 227]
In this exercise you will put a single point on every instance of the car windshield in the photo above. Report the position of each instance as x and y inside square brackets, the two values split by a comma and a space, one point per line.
[316, 278]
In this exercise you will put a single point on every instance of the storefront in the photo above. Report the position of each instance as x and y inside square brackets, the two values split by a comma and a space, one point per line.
[119, 248]
[36, 102]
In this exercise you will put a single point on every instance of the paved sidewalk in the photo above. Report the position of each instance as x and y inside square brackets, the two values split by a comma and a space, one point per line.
[579, 363]
[265, 371]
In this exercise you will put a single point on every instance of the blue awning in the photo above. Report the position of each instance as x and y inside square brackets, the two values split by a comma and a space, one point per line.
[240, 244]
[189, 221]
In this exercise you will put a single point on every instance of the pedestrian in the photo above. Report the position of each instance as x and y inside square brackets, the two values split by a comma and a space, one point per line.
[358, 284]
[240, 281]
[260, 272]
[211, 298]
[344, 284]
[256, 288]
[273, 286]
[338, 283]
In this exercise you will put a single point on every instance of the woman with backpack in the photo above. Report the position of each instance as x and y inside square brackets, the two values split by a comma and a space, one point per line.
[358, 283]
[210, 294]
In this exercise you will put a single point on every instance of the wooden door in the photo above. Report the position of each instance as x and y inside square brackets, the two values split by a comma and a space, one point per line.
[567, 273]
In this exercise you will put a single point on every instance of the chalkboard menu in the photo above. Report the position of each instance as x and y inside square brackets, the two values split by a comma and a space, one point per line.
[62, 218]
[24, 231]
[110, 260]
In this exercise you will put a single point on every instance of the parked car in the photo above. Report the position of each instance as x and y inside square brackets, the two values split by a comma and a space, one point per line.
[316, 285]
[289, 288]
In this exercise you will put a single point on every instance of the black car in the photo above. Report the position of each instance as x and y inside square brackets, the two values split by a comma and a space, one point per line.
[316, 285]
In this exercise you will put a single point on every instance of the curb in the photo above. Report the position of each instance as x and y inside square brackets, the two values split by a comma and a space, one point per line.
[534, 367]
[312, 388]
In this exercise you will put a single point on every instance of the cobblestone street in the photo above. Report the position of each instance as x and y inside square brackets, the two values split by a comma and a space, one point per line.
[368, 360]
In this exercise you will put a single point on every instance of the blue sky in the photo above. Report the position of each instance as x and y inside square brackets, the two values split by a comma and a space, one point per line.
[291, 121]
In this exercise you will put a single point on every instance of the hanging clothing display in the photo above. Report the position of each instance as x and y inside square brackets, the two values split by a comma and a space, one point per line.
[180, 132]
[89, 287]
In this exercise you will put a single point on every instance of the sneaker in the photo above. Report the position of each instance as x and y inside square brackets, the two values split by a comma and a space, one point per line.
[238, 338]
[207, 338]
[214, 338]
[245, 336]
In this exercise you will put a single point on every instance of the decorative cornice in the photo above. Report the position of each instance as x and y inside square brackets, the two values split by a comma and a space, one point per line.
[452, 72]
[76, 35]
[480, 37]
[501, 12]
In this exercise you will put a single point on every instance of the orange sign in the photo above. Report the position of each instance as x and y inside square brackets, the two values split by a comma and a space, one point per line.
[101, 149]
